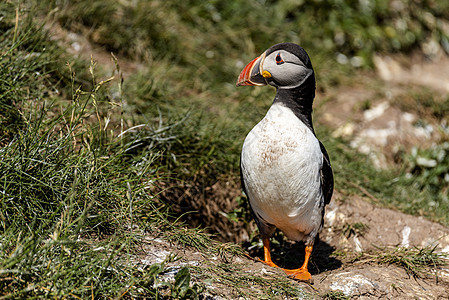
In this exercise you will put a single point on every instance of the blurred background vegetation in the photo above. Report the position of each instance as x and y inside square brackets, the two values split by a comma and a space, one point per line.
[86, 153]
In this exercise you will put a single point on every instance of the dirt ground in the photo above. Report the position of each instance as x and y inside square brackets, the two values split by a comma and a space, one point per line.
[382, 129]
[355, 229]
[384, 227]
[335, 267]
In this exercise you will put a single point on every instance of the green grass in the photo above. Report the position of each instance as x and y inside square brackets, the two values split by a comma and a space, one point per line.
[185, 31]
[70, 184]
[90, 164]
[418, 262]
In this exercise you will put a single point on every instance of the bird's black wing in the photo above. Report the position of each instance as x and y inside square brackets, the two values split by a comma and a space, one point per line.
[327, 177]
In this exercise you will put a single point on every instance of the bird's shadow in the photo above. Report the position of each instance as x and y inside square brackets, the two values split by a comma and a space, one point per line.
[290, 255]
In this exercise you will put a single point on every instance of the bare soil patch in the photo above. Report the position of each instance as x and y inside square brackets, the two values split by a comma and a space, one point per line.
[342, 263]
[370, 112]
[383, 229]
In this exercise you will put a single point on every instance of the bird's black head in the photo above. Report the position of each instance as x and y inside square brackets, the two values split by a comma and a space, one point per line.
[284, 66]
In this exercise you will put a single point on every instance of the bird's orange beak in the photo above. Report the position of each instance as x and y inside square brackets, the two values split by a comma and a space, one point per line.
[252, 73]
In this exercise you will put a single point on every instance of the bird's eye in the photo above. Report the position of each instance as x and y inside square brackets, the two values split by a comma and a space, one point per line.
[279, 60]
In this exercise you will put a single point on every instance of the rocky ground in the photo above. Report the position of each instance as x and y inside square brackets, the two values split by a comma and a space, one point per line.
[379, 231]
[359, 237]
[348, 262]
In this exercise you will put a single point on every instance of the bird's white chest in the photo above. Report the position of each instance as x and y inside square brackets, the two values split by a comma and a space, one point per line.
[281, 163]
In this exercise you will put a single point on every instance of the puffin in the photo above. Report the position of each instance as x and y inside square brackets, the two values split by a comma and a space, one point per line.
[285, 170]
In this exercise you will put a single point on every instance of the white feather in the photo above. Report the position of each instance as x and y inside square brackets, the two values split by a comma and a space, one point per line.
[281, 163]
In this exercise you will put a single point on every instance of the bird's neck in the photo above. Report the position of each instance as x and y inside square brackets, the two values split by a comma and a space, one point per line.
[300, 101]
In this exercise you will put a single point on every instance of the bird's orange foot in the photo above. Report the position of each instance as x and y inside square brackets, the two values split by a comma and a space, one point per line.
[299, 274]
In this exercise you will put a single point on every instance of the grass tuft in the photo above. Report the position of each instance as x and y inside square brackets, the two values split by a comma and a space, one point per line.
[335, 296]
[418, 262]
[358, 229]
